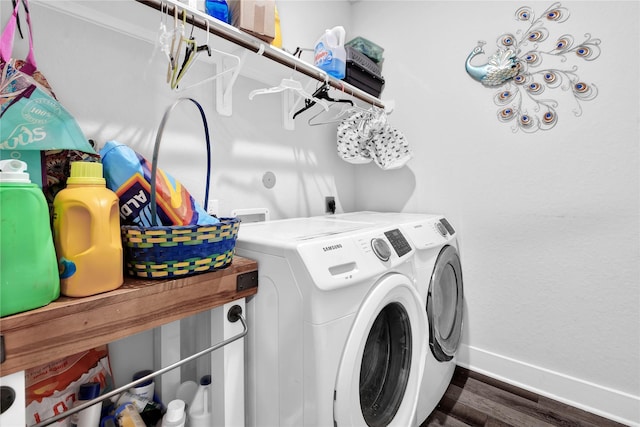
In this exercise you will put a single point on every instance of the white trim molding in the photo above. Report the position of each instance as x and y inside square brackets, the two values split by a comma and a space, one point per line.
[603, 401]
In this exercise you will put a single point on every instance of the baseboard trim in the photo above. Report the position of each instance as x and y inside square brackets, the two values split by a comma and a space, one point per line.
[606, 402]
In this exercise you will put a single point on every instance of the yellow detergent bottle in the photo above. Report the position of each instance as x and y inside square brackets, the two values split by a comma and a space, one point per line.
[86, 229]
[277, 41]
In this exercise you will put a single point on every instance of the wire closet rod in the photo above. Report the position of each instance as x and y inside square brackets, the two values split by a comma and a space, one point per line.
[234, 314]
[247, 41]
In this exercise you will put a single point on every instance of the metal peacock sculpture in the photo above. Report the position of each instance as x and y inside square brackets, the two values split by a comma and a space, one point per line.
[519, 69]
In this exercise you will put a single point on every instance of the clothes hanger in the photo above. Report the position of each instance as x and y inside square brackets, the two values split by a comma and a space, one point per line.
[191, 51]
[289, 89]
[322, 93]
[289, 84]
[320, 118]
[165, 37]
[174, 52]
[285, 84]
[210, 50]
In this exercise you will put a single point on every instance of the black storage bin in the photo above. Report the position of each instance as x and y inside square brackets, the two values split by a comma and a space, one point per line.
[363, 73]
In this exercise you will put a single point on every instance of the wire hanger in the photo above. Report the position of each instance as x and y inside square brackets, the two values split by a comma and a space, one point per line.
[191, 51]
[322, 93]
[321, 118]
[289, 89]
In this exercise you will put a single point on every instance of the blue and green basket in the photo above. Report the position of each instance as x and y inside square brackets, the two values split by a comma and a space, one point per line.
[164, 252]
[160, 252]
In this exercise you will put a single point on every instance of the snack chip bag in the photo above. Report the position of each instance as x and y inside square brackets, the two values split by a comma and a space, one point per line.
[52, 388]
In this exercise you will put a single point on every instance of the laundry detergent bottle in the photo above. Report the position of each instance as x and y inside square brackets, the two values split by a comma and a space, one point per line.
[28, 267]
[330, 54]
[199, 413]
[218, 9]
[86, 229]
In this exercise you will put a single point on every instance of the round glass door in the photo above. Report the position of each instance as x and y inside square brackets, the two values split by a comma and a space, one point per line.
[386, 361]
[444, 305]
[379, 376]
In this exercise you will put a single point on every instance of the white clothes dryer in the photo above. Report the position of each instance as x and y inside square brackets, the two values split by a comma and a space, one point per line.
[337, 331]
[438, 275]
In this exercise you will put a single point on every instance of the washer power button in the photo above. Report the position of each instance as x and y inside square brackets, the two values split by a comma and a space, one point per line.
[381, 249]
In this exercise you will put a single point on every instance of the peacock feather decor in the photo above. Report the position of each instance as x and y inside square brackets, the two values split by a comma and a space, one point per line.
[530, 70]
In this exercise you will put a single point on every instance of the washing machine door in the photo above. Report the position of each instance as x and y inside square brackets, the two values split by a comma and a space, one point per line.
[444, 305]
[382, 364]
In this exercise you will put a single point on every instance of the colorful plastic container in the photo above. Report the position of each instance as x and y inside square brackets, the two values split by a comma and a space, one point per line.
[86, 229]
[28, 267]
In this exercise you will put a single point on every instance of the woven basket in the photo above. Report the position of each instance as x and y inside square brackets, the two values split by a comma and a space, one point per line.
[180, 250]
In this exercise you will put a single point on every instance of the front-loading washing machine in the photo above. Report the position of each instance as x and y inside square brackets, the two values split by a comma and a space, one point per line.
[441, 287]
[438, 279]
[337, 331]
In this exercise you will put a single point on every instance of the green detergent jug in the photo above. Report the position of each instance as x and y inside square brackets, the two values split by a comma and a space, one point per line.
[29, 275]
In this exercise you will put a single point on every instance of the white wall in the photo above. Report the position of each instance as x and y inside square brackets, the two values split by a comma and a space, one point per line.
[548, 222]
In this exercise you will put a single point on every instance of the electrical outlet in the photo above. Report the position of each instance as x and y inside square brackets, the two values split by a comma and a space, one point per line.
[329, 205]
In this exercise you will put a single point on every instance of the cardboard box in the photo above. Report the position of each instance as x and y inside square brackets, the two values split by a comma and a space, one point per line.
[256, 17]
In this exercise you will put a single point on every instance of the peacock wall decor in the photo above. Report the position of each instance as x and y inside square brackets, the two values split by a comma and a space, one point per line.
[530, 70]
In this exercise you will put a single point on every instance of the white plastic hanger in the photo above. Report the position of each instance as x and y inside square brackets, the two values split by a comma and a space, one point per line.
[182, 51]
[165, 37]
[285, 84]
[289, 88]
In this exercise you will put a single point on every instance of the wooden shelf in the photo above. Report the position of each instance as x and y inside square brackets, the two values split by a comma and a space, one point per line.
[71, 325]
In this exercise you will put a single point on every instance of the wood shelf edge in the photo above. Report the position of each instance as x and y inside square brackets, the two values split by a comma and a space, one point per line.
[71, 325]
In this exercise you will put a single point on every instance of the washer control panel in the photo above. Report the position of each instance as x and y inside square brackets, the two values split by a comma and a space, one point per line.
[398, 241]
[441, 229]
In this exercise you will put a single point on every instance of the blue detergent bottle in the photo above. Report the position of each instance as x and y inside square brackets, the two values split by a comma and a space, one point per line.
[219, 9]
[330, 54]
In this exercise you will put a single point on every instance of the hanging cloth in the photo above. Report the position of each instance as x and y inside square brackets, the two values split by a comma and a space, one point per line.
[366, 136]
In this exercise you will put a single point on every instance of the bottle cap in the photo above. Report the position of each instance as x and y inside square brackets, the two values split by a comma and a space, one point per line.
[141, 374]
[86, 173]
[205, 380]
[13, 170]
[89, 391]
[175, 410]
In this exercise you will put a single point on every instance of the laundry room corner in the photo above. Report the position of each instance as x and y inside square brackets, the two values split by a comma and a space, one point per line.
[548, 220]
[515, 128]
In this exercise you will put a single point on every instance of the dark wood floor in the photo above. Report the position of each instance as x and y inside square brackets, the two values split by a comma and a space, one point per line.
[473, 399]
